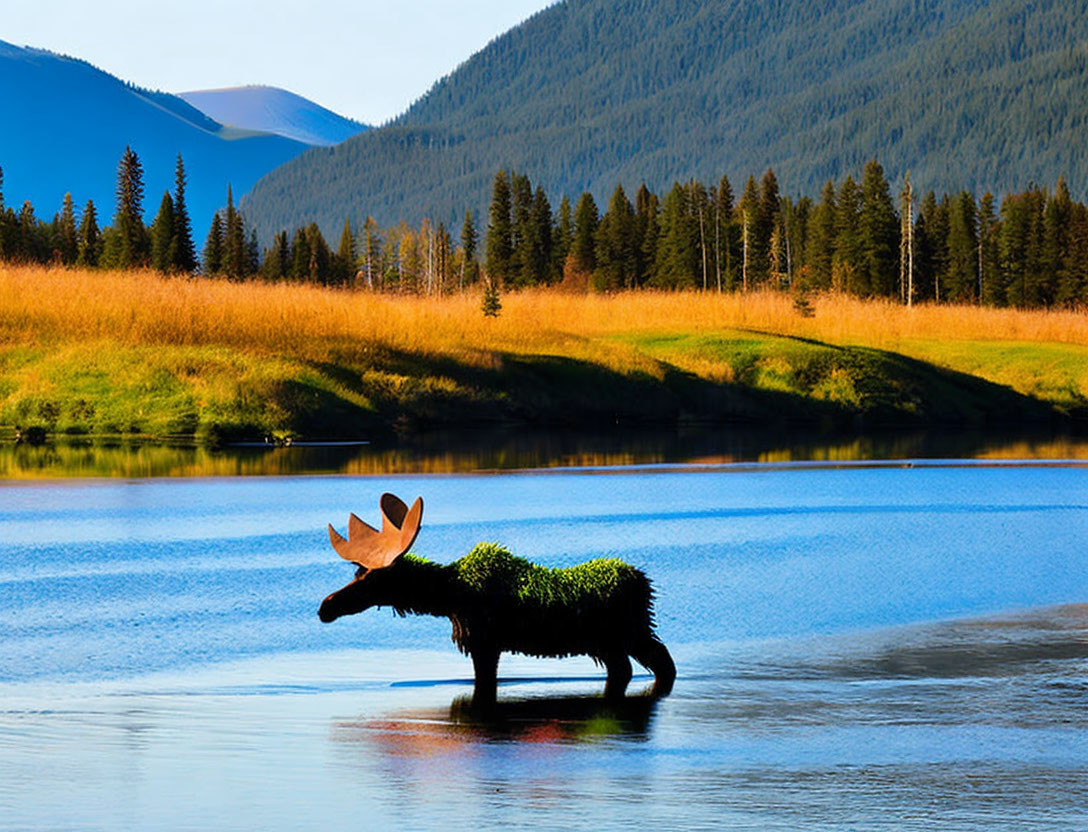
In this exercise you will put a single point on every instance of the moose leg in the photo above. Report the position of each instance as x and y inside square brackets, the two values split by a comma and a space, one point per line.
[654, 656]
[485, 663]
[619, 674]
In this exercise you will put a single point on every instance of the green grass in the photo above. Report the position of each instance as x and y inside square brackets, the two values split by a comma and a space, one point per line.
[1054, 373]
[489, 566]
[218, 393]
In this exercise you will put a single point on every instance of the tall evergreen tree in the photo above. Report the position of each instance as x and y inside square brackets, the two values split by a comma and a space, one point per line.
[499, 242]
[1055, 252]
[725, 236]
[234, 241]
[564, 235]
[184, 257]
[878, 235]
[277, 259]
[848, 268]
[820, 247]
[615, 244]
[541, 250]
[677, 263]
[163, 237]
[767, 219]
[67, 237]
[30, 246]
[89, 237]
[931, 255]
[1073, 289]
[344, 262]
[469, 239]
[991, 285]
[132, 247]
[962, 274]
[524, 243]
[213, 248]
[645, 233]
[748, 214]
[583, 245]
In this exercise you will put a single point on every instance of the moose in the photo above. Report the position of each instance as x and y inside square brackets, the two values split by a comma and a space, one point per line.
[500, 603]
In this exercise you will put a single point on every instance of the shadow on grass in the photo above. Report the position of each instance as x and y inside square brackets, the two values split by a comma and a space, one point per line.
[823, 384]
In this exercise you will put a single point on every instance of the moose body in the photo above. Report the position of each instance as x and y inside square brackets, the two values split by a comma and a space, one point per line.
[500, 603]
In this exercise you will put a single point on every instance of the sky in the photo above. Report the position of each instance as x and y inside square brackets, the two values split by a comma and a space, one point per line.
[366, 59]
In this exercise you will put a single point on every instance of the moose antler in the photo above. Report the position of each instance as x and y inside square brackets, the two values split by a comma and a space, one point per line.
[372, 549]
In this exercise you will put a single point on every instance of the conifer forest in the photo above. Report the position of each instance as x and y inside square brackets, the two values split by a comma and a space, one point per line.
[1027, 249]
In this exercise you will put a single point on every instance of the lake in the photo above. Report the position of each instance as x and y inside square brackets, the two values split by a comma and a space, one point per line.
[860, 646]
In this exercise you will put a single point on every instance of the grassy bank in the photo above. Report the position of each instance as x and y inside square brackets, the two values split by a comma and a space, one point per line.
[84, 352]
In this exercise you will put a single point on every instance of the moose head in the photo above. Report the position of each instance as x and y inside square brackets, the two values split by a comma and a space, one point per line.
[374, 552]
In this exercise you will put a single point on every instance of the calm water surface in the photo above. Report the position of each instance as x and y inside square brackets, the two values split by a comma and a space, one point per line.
[867, 648]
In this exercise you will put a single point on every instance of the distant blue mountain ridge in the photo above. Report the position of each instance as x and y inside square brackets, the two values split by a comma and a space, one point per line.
[64, 125]
[274, 110]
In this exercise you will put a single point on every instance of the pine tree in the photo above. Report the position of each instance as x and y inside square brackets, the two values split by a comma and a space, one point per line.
[847, 271]
[1055, 250]
[820, 248]
[469, 239]
[725, 236]
[699, 210]
[67, 238]
[184, 257]
[1074, 289]
[615, 246]
[962, 273]
[644, 224]
[132, 248]
[1020, 244]
[89, 237]
[677, 262]
[762, 226]
[564, 235]
[931, 244]
[499, 242]
[253, 254]
[29, 248]
[748, 214]
[345, 256]
[164, 237]
[541, 251]
[524, 241]
[234, 241]
[991, 284]
[277, 260]
[583, 245]
[213, 248]
[878, 235]
[491, 305]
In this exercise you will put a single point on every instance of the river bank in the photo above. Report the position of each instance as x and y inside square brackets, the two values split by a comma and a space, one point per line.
[136, 354]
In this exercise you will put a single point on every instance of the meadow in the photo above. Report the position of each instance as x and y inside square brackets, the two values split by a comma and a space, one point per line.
[136, 353]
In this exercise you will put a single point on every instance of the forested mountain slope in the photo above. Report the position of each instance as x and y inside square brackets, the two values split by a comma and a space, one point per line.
[64, 125]
[978, 94]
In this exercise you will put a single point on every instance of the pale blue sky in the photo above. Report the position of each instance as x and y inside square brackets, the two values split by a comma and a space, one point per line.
[364, 59]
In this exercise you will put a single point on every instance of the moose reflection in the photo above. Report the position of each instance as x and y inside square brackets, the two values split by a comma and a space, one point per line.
[500, 603]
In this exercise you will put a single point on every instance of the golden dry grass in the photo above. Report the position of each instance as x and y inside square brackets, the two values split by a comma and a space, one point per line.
[47, 306]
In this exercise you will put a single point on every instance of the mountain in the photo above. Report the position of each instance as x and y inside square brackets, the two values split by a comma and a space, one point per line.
[274, 110]
[67, 123]
[979, 94]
